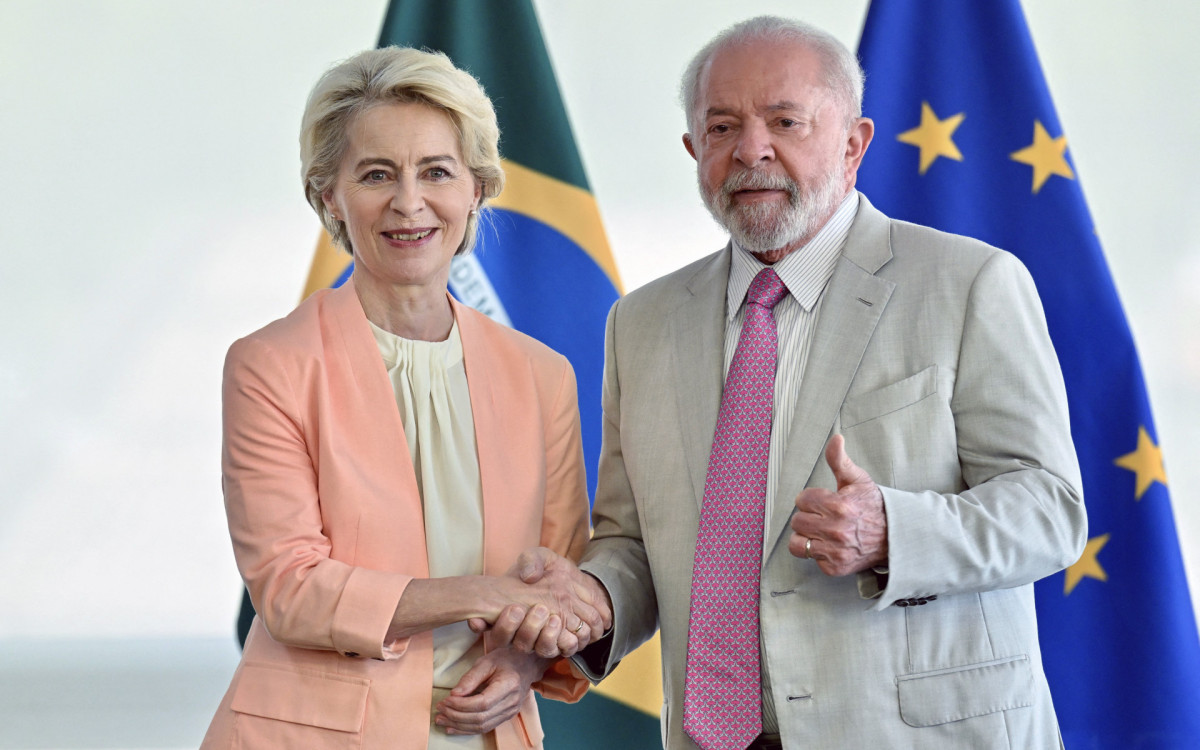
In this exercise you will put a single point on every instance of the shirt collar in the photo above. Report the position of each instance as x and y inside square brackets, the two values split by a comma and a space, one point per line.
[805, 271]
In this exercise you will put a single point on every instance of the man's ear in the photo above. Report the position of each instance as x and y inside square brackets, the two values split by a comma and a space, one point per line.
[687, 143]
[861, 133]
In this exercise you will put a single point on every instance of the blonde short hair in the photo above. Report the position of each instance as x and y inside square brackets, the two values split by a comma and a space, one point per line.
[396, 75]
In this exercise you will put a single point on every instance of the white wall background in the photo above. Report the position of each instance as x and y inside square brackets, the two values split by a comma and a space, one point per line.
[152, 213]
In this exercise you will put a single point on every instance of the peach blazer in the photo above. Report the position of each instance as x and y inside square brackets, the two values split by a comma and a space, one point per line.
[327, 526]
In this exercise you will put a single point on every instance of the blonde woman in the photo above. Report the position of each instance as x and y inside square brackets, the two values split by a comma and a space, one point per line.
[388, 452]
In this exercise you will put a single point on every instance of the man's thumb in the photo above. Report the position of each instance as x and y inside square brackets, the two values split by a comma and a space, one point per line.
[531, 565]
[845, 471]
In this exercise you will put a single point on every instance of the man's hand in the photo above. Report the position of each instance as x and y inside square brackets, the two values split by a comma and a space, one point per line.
[490, 693]
[576, 612]
[844, 531]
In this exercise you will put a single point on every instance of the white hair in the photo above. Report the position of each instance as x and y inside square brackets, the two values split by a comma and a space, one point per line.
[842, 73]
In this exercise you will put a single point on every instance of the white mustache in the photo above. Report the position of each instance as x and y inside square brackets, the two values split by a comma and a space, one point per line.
[752, 180]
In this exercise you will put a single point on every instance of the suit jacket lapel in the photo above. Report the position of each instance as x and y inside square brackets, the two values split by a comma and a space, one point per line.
[697, 331]
[850, 310]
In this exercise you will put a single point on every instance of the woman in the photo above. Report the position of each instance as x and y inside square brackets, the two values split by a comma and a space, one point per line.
[386, 447]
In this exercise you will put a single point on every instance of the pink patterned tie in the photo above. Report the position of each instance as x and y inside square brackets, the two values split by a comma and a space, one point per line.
[722, 698]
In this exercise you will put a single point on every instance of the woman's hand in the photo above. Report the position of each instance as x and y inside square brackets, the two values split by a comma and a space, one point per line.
[490, 693]
[571, 609]
[542, 604]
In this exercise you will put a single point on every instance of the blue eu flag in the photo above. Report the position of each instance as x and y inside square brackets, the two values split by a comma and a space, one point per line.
[967, 140]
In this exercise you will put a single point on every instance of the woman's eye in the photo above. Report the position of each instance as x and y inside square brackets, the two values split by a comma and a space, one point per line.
[375, 175]
[439, 173]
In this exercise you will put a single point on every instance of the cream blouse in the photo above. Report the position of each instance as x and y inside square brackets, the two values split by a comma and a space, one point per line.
[430, 383]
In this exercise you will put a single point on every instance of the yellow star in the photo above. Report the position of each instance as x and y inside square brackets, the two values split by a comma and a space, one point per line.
[1046, 155]
[1146, 462]
[932, 136]
[1087, 566]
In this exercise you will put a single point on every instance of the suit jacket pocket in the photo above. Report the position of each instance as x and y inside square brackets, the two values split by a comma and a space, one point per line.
[277, 706]
[946, 695]
[881, 401]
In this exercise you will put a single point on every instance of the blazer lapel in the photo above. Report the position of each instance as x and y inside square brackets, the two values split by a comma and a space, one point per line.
[352, 334]
[490, 417]
[697, 331]
[360, 378]
[850, 310]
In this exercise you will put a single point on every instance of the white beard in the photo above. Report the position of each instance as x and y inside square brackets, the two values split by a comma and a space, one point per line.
[762, 228]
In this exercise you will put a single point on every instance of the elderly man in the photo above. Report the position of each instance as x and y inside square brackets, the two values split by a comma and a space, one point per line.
[836, 452]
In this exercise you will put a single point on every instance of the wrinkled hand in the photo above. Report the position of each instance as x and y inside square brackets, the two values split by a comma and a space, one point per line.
[490, 693]
[569, 610]
[848, 528]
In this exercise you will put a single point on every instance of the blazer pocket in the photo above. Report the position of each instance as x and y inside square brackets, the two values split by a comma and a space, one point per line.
[890, 398]
[309, 699]
[945, 695]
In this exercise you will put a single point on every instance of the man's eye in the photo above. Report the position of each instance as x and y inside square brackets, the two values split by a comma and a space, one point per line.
[785, 122]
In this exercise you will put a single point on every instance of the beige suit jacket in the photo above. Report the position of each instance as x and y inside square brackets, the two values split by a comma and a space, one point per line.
[931, 356]
[327, 528]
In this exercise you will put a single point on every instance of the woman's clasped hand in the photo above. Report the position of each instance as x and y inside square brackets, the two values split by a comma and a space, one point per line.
[556, 611]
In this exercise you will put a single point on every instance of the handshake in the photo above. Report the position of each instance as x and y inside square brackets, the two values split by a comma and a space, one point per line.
[553, 609]
[543, 608]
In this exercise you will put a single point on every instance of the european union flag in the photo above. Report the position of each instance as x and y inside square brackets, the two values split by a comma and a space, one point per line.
[967, 140]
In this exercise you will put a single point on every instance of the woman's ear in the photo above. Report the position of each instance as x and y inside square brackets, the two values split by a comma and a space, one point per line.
[330, 204]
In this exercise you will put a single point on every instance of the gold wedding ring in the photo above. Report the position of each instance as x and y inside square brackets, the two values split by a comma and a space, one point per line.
[578, 627]
[808, 548]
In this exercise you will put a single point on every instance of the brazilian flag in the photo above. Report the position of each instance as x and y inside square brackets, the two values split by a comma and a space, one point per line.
[543, 266]
[967, 140]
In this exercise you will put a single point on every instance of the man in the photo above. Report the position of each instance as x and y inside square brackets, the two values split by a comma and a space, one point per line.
[877, 424]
